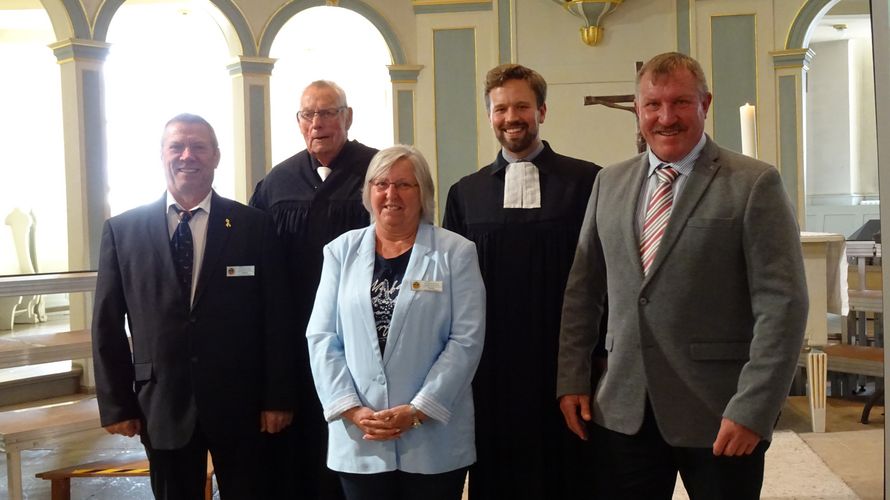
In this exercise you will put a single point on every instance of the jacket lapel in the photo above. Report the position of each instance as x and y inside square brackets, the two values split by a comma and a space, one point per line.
[629, 211]
[159, 236]
[217, 236]
[702, 175]
[416, 269]
[365, 274]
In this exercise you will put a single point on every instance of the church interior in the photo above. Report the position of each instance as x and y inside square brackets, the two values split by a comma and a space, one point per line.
[803, 85]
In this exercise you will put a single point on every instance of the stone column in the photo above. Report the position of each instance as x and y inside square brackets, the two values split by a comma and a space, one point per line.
[83, 112]
[252, 122]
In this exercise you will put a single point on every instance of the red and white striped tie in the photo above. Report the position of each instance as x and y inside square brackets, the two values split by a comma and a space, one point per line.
[658, 211]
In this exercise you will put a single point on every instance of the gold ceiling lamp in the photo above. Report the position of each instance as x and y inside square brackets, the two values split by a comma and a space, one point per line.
[592, 12]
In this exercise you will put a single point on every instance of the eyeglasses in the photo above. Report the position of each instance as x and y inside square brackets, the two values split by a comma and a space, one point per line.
[322, 114]
[383, 186]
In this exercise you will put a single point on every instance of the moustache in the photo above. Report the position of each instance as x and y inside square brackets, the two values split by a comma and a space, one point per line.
[674, 129]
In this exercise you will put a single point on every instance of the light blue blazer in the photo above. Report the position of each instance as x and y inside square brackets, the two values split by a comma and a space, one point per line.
[433, 348]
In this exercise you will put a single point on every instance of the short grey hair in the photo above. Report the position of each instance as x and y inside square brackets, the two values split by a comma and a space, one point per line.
[191, 119]
[383, 162]
[328, 84]
[667, 64]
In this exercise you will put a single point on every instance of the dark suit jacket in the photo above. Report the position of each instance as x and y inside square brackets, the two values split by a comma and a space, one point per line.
[715, 328]
[220, 363]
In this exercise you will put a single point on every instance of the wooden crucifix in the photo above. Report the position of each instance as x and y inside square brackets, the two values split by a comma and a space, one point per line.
[620, 102]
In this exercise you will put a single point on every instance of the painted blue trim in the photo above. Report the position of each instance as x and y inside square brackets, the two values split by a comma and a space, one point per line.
[800, 57]
[104, 17]
[250, 67]
[80, 51]
[788, 135]
[403, 75]
[78, 19]
[257, 130]
[240, 25]
[684, 46]
[453, 7]
[405, 111]
[94, 159]
[454, 56]
[359, 7]
[734, 75]
[226, 7]
[803, 23]
[505, 48]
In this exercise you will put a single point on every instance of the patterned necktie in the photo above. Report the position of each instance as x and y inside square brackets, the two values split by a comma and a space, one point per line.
[658, 211]
[183, 251]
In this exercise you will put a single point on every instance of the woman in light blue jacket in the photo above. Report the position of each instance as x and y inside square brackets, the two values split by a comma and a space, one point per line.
[394, 340]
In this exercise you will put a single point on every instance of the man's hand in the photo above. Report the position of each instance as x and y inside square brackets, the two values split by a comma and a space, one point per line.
[734, 440]
[571, 405]
[127, 428]
[275, 421]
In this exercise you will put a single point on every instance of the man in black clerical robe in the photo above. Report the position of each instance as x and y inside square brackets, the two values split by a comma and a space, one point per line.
[313, 196]
[524, 212]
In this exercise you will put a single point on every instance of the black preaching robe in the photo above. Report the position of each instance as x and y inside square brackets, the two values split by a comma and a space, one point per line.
[308, 214]
[524, 449]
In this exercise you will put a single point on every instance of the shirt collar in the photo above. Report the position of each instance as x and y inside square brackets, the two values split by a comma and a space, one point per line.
[685, 165]
[204, 205]
[529, 157]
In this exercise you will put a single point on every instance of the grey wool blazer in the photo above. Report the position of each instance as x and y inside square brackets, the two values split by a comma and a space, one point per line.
[715, 328]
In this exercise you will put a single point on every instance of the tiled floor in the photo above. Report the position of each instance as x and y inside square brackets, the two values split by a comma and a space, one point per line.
[855, 456]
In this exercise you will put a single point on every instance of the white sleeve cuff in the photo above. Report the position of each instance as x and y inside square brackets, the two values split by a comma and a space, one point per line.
[431, 408]
[338, 406]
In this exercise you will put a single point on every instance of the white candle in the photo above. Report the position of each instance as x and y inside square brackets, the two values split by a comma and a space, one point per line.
[749, 130]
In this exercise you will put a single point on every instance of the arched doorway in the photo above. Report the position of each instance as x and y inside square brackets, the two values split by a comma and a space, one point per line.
[307, 49]
[166, 58]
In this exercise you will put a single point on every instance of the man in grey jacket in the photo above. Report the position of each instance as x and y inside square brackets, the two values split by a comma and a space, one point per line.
[697, 249]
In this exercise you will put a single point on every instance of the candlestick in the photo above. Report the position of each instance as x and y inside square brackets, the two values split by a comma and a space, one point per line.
[747, 116]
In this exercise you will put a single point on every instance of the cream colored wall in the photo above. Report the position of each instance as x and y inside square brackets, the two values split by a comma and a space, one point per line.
[574, 70]
[634, 32]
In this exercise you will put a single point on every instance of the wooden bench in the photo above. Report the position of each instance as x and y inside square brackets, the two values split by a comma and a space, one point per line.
[23, 350]
[43, 426]
[127, 466]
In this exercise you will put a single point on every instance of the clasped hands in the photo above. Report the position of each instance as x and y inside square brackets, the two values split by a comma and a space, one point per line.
[383, 425]
[733, 439]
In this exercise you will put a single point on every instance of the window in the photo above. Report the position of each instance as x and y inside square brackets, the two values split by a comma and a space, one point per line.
[331, 43]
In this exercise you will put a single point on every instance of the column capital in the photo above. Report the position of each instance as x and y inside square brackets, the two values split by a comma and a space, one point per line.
[248, 65]
[74, 49]
[792, 58]
[404, 73]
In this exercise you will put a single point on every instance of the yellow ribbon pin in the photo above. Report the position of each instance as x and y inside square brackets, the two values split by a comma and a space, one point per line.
[228, 223]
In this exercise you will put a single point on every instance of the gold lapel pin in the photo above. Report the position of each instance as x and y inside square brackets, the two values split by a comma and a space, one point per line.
[228, 223]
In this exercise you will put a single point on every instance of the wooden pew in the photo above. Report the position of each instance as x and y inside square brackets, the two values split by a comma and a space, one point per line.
[43, 426]
[23, 350]
[126, 466]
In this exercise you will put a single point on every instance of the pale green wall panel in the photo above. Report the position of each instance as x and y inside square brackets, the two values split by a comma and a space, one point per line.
[788, 134]
[505, 48]
[734, 77]
[257, 131]
[454, 53]
[94, 158]
[683, 43]
[406, 116]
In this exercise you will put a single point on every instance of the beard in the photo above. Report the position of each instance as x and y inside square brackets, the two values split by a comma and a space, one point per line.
[518, 144]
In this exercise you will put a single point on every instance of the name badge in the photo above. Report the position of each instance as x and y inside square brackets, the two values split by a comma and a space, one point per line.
[236, 271]
[426, 286]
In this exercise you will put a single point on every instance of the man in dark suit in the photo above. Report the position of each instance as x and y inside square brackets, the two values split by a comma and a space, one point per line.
[198, 279]
[698, 251]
